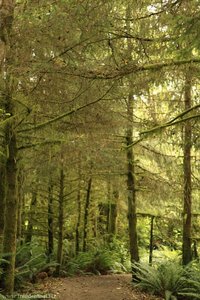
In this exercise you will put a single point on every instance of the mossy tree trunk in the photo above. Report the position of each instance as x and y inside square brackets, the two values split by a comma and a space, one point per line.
[60, 222]
[2, 202]
[151, 239]
[29, 232]
[77, 241]
[187, 185]
[132, 218]
[112, 229]
[50, 220]
[86, 214]
[6, 18]
[131, 184]
[20, 206]
[11, 211]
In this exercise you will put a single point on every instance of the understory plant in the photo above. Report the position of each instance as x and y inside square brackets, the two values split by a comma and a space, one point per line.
[98, 261]
[30, 261]
[169, 280]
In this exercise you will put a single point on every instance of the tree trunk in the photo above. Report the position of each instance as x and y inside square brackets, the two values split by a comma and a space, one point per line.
[2, 202]
[20, 206]
[86, 214]
[77, 241]
[187, 185]
[50, 221]
[113, 213]
[60, 222]
[29, 232]
[11, 197]
[132, 217]
[151, 240]
[11, 212]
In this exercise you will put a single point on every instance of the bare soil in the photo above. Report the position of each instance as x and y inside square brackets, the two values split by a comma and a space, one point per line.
[108, 287]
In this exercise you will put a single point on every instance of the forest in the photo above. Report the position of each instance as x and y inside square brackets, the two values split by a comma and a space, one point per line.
[99, 143]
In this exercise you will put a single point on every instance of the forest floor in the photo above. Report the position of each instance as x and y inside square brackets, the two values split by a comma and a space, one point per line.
[107, 287]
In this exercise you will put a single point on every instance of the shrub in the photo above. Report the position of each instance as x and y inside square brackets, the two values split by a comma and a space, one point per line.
[168, 280]
[100, 261]
[29, 262]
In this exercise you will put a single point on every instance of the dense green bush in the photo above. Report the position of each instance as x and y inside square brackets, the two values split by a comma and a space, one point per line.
[31, 260]
[169, 280]
[112, 259]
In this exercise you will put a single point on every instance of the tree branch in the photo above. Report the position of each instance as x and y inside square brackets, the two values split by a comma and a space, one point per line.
[58, 118]
[132, 67]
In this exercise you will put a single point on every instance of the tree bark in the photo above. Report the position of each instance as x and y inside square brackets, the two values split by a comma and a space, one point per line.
[132, 217]
[151, 240]
[86, 214]
[20, 206]
[29, 232]
[187, 184]
[50, 220]
[2, 202]
[11, 197]
[11, 212]
[112, 229]
[77, 238]
[60, 223]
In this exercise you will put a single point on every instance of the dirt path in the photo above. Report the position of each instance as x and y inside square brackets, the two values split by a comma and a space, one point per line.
[108, 287]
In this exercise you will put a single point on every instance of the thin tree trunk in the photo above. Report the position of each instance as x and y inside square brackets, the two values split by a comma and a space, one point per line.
[151, 240]
[29, 232]
[187, 192]
[20, 206]
[86, 214]
[60, 222]
[2, 202]
[109, 204]
[132, 217]
[113, 213]
[50, 220]
[77, 238]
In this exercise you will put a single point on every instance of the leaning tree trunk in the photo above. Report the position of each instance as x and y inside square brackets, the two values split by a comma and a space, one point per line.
[187, 192]
[86, 214]
[60, 222]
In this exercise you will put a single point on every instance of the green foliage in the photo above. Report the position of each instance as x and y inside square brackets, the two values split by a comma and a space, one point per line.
[169, 280]
[31, 260]
[101, 261]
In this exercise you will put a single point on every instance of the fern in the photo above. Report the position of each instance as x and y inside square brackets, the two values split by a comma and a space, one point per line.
[168, 280]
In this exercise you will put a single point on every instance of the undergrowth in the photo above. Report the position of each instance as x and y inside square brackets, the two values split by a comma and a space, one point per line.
[113, 259]
[169, 280]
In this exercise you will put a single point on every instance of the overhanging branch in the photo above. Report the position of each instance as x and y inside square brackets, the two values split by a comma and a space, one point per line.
[60, 117]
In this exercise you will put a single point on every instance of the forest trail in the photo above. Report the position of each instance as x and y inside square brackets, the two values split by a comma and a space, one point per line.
[108, 287]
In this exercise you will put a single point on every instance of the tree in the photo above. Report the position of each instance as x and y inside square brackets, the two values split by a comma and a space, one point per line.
[187, 185]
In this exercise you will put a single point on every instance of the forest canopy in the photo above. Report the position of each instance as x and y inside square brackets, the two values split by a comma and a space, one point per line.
[99, 135]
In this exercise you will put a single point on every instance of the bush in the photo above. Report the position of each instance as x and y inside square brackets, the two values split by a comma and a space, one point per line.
[102, 261]
[30, 260]
[168, 280]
